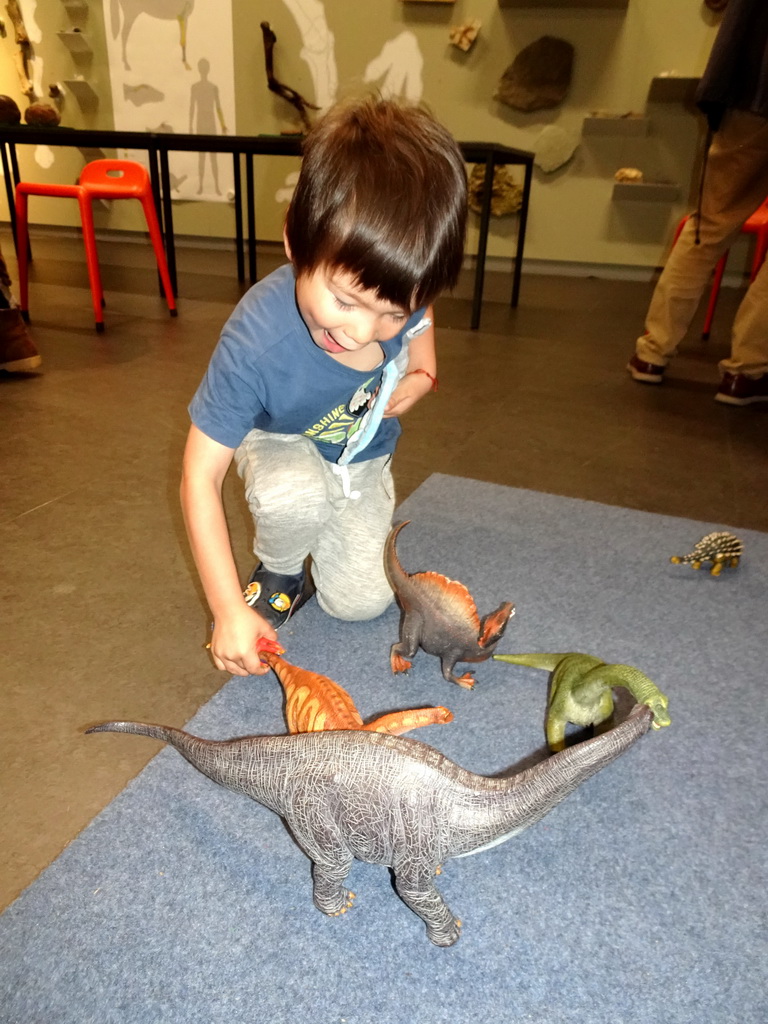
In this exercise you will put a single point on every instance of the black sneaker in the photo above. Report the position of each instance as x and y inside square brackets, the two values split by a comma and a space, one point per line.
[275, 597]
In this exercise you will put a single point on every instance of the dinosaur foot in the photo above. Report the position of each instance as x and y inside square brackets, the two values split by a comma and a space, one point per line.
[337, 905]
[350, 900]
[467, 681]
[398, 663]
[445, 936]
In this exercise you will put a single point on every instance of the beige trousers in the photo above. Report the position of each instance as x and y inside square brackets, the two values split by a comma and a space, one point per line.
[735, 184]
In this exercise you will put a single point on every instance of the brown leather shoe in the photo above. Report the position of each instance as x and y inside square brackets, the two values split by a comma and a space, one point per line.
[17, 350]
[738, 389]
[647, 373]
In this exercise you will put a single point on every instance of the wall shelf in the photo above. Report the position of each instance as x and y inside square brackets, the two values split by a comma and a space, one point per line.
[672, 89]
[83, 92]
[76, 41]
[605, 4]
[645, 191]
[627, 127]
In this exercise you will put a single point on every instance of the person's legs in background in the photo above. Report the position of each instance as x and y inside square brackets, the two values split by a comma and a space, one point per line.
[745, 371]
[18, 353]
[735, 184]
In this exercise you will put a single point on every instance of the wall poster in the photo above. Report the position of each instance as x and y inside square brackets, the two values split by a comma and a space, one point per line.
[171, 70]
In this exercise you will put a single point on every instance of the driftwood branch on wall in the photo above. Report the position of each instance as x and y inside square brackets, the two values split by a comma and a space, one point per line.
[294, 98]
[24, 51]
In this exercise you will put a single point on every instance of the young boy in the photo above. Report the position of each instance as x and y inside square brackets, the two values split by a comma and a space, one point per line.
[312, 370]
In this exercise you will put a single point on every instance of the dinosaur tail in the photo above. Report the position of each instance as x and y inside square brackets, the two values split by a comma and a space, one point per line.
[155, 732]
[543, 661]
[399, 722]
[215, 758]
[396, 575]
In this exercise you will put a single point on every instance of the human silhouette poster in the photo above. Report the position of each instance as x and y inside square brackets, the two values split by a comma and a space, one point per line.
[171, 70]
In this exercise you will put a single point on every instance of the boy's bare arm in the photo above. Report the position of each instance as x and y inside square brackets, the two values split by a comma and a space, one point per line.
[421, 375]
[236, 626]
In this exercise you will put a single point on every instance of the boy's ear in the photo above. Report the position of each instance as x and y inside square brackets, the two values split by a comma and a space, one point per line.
[286, 246]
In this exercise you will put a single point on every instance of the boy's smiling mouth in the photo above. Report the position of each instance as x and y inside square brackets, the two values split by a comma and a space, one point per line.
[331, 344]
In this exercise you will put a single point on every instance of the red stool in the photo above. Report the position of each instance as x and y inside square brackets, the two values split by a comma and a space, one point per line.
[100, 179]
[756, 225]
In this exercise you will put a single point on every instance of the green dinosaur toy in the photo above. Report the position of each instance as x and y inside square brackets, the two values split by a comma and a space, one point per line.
[580, 691]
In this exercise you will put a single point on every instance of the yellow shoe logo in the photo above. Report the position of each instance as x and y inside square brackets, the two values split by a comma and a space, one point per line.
[252, 593]
[280, 602]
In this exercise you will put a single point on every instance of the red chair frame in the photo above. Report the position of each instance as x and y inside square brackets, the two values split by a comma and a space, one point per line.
[100, 179]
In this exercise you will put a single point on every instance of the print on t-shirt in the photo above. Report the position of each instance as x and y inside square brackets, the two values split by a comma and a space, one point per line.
[341, 423]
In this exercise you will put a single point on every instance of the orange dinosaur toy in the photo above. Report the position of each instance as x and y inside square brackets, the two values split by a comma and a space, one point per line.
[315, 703]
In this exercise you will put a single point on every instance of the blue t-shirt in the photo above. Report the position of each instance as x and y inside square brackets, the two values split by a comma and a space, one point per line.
[267, 373]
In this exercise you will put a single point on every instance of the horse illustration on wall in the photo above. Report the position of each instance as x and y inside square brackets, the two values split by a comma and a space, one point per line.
[166, 10]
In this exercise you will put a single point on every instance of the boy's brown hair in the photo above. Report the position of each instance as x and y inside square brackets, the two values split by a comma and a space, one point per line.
[382, 194]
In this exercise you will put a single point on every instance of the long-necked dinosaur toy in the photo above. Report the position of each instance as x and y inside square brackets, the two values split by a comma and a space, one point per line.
[581, 691]
[389, 800]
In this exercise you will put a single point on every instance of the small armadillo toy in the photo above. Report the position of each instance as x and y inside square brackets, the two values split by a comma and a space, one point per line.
[720, 548]
[440, 616]
[315, 703]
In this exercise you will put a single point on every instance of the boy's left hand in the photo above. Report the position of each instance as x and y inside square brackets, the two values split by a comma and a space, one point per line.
[407, 393]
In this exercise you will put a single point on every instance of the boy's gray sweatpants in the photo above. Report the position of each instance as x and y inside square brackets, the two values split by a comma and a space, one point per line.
[303, 505]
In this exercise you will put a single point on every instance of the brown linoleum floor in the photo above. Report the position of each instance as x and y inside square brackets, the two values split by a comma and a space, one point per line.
[103, 615]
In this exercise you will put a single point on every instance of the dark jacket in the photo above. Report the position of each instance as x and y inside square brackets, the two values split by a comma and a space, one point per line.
[736, 75]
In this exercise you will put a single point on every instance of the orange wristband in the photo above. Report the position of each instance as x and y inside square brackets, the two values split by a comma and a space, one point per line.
[426, 374]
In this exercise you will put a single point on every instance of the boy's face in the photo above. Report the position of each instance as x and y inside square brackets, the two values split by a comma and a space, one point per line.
[343, 317]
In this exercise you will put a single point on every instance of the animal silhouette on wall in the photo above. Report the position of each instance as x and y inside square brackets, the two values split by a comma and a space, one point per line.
[165, 10]
[389, 800]
[314, 702]
[440, 616]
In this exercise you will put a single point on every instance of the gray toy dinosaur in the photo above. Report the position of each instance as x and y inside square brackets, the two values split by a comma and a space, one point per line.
[581, 691]
[440, 616]
[389, 800]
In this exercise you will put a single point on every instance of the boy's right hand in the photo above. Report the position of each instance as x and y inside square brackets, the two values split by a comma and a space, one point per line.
[234, 644]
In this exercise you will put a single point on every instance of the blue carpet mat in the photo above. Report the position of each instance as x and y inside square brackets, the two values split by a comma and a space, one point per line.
[639, 899]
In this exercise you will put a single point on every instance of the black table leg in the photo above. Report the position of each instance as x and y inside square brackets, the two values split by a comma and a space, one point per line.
[521, 234]
[251, 218]
[485, 219]
[9, 189]
[167, 220]
[238, 216]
